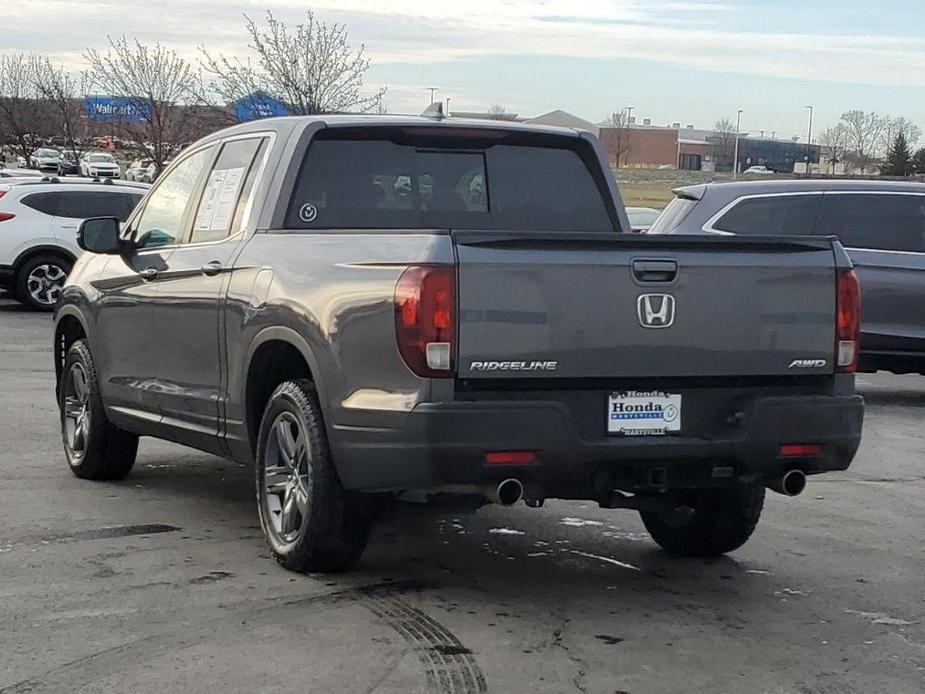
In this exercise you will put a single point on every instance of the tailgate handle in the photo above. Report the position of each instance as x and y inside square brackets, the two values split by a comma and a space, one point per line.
[655, 270]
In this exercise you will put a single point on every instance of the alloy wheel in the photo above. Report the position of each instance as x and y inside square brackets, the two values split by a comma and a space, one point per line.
[44, 283]
[286, 477]
[77, 415]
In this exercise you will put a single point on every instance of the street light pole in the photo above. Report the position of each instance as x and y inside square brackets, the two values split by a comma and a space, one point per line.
[432, 90]
[735, 157]
[809, 142]
[629, 115]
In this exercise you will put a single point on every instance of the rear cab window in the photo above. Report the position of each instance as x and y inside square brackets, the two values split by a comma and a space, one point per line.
[390, 178]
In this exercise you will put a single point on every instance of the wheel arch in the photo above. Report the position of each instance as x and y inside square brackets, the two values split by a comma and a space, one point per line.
[42, 249]
[70, 326]
[276, 354]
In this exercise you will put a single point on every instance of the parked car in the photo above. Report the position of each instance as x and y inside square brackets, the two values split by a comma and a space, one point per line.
[38, 230]
[759, 170]
[276, 298]
[68, 164]
[99, 165]
[7, 173]
[45, 159]
[138, 170]
[641, 218]
[880, 223]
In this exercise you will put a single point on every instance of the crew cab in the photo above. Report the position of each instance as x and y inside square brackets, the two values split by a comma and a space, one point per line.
[363, 307]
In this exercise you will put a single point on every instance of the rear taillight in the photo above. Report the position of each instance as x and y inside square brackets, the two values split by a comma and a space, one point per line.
[4, 216]
[847, 321]
[425, 319]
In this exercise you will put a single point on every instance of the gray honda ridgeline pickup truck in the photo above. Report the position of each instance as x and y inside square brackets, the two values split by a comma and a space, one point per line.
[363, 307]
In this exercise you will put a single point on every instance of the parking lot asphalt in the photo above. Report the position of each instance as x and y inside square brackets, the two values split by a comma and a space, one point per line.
[163, 583]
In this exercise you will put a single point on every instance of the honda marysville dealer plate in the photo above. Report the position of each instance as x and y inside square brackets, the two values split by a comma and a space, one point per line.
[637, 413]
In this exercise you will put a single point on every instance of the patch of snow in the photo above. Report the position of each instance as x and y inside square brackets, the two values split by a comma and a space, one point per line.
[606, 559]
[880, 618]
[578, 522]
[506, 531]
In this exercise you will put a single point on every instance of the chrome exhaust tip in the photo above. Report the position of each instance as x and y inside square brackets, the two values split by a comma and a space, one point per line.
[508, 492]
[791, 483]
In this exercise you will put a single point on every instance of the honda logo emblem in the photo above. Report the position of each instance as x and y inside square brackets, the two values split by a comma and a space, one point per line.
[655, 310]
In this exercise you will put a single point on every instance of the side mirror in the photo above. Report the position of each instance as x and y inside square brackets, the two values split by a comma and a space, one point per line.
[100, 235]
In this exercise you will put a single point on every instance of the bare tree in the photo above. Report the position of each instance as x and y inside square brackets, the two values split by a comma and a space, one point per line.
[498, 112]
[865, 132]
[163, 90]
[834, 141]
[23, 115]
[900, 126]
[619, 140]
[310, 68]
[724, 139]
[62, 92]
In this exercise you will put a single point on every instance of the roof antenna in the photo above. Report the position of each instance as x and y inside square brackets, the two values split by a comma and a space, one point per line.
[435, 111]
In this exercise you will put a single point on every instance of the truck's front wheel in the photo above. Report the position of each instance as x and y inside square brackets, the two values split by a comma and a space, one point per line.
[310, 521]
[722, 521]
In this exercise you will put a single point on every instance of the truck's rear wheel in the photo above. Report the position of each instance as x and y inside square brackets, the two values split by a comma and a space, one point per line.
[722, 521]
[310, 521]
[95, 448]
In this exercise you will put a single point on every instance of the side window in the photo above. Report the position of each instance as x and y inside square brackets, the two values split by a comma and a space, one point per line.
[886, 221]
[165, 217]
[98, 203]
[227, 190]
[778, 215]
[46, 203]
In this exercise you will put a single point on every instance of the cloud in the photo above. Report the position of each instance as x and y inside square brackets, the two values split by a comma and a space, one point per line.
[686, 33]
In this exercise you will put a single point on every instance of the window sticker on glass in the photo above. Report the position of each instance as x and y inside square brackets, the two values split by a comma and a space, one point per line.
[219, 198]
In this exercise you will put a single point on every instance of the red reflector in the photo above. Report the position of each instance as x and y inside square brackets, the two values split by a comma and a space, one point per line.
[800, 450]
[5, 216]
[510, 458]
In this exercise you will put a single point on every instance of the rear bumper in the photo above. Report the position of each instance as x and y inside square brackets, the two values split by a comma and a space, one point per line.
[445, 444]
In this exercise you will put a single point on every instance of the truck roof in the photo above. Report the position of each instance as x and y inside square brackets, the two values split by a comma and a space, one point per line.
[289, 123]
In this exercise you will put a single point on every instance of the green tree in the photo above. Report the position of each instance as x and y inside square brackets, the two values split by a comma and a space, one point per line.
[899, 158]
[918, 161]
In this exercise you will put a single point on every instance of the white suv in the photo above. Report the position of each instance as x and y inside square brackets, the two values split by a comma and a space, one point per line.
[38, 230]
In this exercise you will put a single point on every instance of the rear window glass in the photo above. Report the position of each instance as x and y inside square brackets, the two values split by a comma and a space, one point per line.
[377, 183]
[779, 215]
[46, 203]
[881, 221]
[674, 214]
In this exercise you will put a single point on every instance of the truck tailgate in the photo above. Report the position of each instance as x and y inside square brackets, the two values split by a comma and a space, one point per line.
[597, 306]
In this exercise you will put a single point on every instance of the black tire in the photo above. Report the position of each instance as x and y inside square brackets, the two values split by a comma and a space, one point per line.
[722, 521]
[39, 280]
[105, 452]
[326, 527]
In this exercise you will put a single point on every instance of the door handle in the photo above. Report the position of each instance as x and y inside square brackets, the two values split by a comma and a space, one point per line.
[212, 268]
[655, 270]
[149, 273]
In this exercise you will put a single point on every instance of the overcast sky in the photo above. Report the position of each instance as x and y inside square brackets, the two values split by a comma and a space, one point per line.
[673, 60]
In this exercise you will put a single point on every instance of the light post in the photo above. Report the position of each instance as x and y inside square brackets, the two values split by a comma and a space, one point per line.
[735, 157]
[809, 142]
[432, 91]
[448, 107]
[629, 115]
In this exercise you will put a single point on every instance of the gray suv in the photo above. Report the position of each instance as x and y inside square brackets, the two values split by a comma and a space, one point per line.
[880, 223]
